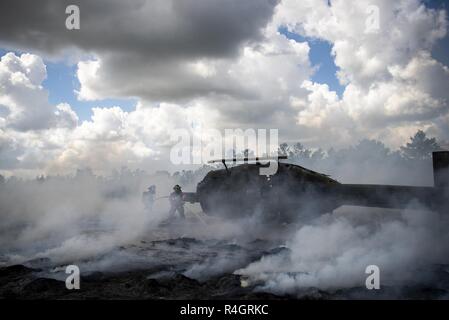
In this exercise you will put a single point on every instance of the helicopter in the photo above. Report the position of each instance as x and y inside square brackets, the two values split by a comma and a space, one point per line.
[241, 191]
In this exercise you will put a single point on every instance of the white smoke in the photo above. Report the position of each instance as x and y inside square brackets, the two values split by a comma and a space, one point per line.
[84, 217]
[72, 218]
[334, 251]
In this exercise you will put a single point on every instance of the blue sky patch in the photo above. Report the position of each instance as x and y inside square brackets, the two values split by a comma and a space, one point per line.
[61, 83]
[321, 58]
[441, 48]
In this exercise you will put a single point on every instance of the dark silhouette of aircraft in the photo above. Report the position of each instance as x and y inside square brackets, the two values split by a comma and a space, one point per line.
[241, 191]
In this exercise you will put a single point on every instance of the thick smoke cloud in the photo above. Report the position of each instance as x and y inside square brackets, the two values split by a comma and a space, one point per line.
[76, 217]
[333, 251]
[100, 222]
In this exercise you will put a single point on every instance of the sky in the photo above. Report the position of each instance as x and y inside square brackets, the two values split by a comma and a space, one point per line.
[324, 73]
[320, 56]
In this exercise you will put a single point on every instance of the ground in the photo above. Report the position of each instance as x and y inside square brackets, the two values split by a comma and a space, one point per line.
[163, 265]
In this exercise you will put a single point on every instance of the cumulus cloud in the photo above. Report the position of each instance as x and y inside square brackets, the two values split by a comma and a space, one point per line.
[36, 136]
[224, 65]
[391, 79]
[157, 50]
[24, 101]
[114, 138]
[392, 82]
[30, 127]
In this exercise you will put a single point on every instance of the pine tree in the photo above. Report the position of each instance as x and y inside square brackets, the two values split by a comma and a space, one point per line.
[420, 147]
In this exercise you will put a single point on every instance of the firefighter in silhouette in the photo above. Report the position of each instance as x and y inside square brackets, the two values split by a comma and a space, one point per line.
[148, 198]
[177, 202]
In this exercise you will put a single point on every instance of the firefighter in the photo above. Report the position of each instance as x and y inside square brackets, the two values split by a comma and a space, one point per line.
[148, 198]
[177, 202]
